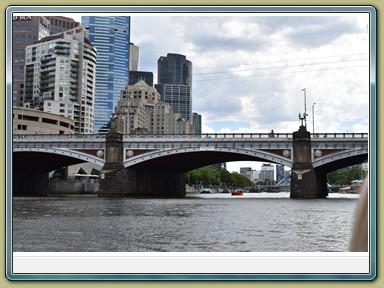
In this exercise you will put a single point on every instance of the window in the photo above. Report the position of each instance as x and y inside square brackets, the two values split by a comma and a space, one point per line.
[21, 127]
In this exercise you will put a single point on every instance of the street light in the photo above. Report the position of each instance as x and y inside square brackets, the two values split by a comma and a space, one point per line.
[313, 118]
[305, 106]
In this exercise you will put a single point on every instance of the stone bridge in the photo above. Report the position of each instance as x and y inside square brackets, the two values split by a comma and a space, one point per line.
[157, 162]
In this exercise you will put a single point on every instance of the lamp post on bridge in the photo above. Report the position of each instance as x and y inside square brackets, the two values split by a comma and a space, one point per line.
[305, 107]
[313, 118]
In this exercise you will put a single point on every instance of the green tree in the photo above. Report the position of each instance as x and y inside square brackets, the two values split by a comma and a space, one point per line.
[225, 176]
[346, 175]
[240, 181]
[209, 175]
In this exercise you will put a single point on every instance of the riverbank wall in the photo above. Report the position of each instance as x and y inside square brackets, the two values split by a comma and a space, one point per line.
[83, 186]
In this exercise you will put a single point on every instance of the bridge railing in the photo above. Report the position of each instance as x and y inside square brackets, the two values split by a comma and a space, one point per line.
[340, 135]
[213, 136]
[58, 137]
[254, 136]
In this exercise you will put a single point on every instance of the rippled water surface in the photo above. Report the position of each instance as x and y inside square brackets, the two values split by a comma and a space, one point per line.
[199, 222]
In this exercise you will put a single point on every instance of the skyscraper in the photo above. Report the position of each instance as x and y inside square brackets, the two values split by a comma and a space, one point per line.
[174, 69]
[25, 30]
[60, 76]
[197, 123]
[134, 57]
[174, 78]
[111, 37]
[60, 24]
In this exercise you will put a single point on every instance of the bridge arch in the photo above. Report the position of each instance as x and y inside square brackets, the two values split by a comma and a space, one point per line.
[341, 159]
[186, 159]
[67, 156]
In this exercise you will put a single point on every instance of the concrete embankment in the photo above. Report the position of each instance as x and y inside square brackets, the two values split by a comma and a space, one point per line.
[85, 186]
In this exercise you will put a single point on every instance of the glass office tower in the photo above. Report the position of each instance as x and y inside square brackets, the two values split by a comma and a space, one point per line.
[174, 80]
[111, 37]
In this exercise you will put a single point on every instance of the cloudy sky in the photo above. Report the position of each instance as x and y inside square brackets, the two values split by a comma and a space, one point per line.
[249, 70]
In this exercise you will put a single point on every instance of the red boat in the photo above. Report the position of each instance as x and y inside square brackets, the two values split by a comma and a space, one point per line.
[237, 193]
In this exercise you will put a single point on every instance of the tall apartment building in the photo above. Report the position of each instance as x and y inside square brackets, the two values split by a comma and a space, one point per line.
[111, 37]
[140, 107]
[25, 30]
[174, 78]
[60, 77]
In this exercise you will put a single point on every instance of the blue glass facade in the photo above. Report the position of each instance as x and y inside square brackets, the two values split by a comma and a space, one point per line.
[111, 37]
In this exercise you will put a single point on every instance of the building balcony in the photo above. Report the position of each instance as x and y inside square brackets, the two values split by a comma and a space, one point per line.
[47, 81]
[47, 65]
[62, 52]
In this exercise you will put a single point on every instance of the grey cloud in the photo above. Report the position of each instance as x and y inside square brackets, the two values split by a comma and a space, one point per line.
[210, 33]
[315, 35]
[218, 101]
[309, 31]
[213, 42]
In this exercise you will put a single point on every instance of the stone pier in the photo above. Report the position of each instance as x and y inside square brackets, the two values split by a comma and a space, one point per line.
[29, 183]
[117, 181]
[160, 183]
[305, 181]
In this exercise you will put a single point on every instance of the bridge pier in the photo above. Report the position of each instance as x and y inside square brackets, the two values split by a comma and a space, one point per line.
[160, 183]
[306, 182]
[29, 183]
[117, 181]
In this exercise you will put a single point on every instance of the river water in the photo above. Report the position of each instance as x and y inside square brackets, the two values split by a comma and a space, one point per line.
[257, 222]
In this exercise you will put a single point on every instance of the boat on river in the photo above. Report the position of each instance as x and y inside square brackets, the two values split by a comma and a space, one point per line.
[237, 193]
[206, 190]
[354, 188]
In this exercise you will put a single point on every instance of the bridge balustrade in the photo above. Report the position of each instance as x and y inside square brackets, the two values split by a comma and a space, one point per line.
[339, 135]
[212, 136]
[57, 137]
[244, 136]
